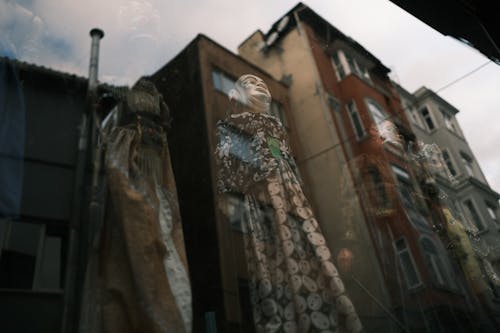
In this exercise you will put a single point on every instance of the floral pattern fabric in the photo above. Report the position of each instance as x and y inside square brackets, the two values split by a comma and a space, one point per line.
[294, 285]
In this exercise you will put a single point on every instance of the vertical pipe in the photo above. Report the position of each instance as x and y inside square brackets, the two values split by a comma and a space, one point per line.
[75, 230]
[96, 35]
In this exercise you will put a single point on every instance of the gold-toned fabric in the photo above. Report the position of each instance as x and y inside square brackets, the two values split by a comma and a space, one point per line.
[294, 284]
[137, 278]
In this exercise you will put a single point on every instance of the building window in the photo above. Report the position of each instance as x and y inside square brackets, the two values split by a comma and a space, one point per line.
[356, 68]
[339, 69]
[344, 64]
[467, 162]
[448, 162]
[412, 112]
[436, 266]
[427, 118]
[407, 264]
[473, 215]
[377, 115]
[278, 111]
[222, 82]
[31, 256]
[448, 121]
[355, 120]
[380, 194]
[491, 211]
[405, 186]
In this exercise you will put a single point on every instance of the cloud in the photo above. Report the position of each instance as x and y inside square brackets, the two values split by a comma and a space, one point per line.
[143, 35]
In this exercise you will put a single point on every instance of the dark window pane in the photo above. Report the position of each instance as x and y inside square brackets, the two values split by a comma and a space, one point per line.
[16, 270]
[356, 121]
[474, 215]
[24, 238]
[3, 230]
[449, 165]
[409, 269]
[18, 260]
[427, 118]
[49, 276]
[338, 67]
[216, 80]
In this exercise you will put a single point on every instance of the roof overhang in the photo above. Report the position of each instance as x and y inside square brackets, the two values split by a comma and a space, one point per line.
[474, 22]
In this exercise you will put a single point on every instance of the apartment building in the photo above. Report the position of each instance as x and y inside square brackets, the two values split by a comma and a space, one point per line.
[356, 150]
[461, 181]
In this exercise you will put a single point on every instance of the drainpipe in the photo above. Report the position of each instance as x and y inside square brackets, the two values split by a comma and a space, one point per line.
[95, 209]
[75, 230]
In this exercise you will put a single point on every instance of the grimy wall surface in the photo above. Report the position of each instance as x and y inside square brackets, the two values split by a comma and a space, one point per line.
[214, 248]
[35, 239]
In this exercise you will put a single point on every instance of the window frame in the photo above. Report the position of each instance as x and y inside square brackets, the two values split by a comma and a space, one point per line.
[413, 114]
[382, 197]
[468, 163]
[430, 117]
[407, 249]
[492, 211]
[451, 161]
[221, 76]
[470, 216]
[449, 121]
[345, 64]
[370, 102]
[337, 66]
[43, 234]
[437, 263]
[280, 113]
[355, 112]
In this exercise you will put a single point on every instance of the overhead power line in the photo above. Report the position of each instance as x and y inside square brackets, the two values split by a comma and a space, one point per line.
[460, 78]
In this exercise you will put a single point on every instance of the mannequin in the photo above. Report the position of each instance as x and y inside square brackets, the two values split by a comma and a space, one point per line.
[294, 285]
[137, 279]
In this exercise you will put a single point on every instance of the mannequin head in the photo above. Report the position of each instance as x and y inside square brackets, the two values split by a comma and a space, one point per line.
[252, 91]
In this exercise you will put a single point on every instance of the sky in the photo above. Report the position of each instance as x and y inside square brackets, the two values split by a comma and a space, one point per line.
[143, 35]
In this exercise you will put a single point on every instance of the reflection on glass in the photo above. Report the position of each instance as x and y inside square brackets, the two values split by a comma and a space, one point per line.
[293, 281]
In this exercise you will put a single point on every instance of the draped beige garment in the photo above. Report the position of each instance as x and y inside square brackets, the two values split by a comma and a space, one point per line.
[137, 279]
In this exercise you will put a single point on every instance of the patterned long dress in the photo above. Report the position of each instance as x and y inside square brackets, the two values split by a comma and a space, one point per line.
[294, 284]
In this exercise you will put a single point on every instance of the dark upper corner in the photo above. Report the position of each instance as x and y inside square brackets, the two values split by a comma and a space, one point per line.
[474, 22]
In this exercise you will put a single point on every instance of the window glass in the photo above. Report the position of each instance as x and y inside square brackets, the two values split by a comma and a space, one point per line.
[407, 265]
[339, 69]
[467, 162]
[491, 211]
[355, 119]
[3, 231]
[30, 258]
[427, 118]
[351, 65]
[24, 238]
[449, 164]
[473, 215]
[19, 255]
[49, 276]
[222, 82]
[381, 195]
[278, 111]
[377, 114]
[437, 268]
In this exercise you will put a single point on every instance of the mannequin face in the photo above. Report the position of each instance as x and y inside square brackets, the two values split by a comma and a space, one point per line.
[250, 91]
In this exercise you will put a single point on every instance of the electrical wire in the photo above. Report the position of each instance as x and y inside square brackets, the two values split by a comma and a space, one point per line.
[396, 114]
